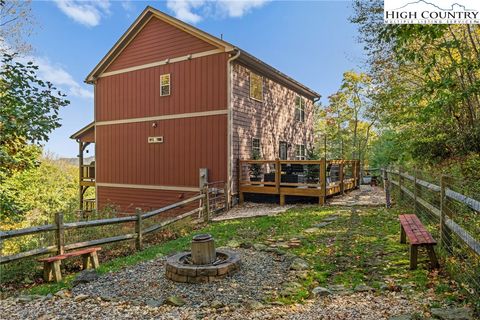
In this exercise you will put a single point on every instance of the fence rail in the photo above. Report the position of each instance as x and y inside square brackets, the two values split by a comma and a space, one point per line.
[444, 192]
[60, 247]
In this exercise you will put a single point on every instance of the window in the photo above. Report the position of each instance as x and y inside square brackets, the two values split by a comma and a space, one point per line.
[256, 154]
[299, 109]
[283, 150]
[300, 152]
[256, 86]
[165, 85]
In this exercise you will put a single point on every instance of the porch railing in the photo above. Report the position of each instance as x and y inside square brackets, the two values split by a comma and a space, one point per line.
[316, 178]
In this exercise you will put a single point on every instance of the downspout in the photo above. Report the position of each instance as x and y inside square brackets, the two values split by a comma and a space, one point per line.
[230, 126]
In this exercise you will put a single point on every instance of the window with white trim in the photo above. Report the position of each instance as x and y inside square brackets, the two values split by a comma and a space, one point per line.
[256, 152]
[300, 152]
[165, 85]
[299, 109]
[256, 86]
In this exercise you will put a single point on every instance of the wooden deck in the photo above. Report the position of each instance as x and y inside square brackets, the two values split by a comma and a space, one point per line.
[311, 178]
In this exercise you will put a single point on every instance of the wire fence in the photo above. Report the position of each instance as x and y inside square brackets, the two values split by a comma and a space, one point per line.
[450, 209]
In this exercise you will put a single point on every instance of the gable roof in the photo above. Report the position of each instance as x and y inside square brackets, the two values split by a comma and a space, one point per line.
[244, 57]
[89, 128]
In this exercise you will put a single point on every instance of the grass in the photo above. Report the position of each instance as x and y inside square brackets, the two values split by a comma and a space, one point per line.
[360, 247]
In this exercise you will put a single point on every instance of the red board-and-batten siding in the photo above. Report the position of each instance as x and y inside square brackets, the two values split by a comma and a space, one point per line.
[132, 172]
[272, 120]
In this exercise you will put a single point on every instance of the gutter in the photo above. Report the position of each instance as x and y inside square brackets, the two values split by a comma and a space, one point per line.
[230, 126]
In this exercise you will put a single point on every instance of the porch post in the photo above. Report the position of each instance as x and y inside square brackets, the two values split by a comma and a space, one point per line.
[80, 173]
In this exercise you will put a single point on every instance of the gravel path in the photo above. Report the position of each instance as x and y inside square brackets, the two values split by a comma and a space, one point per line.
[358, 306]
[250, 209]
[364, 196]
[261, 274]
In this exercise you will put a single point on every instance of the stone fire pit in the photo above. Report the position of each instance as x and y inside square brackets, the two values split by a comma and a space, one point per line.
[203, 264]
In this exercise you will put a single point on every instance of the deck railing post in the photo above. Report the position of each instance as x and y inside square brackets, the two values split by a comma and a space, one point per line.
[227, 196]
[322, 180]
[341, 177]
[60, 233]
[240, 192]
[206, 217]
[386, 188]
[138, 230]
[445, 234]
[278, 174]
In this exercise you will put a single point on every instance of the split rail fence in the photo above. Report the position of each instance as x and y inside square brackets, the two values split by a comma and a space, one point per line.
[60, 243]
[450, 208]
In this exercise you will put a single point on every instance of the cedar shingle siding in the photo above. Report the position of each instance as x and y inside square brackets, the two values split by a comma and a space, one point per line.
[272, 120]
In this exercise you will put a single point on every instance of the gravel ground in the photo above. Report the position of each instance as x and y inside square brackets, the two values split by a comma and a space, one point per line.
[356, 306]
[250, 209]
[364, 196]
[261, 274]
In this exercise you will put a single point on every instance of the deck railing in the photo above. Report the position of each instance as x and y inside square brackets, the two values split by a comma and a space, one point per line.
[314, 178]
[87, 173]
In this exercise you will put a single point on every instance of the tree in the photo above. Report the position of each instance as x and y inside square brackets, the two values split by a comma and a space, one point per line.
[16, 24]
[28, 113]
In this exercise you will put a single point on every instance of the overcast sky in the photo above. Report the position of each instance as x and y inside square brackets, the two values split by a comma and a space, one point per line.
[311, 41]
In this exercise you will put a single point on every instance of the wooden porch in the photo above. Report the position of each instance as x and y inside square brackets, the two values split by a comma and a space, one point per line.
[310, 178]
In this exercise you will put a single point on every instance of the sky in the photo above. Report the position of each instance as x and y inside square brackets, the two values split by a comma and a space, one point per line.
[311, 41]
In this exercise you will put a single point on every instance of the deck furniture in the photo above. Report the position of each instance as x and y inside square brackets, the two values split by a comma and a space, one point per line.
[413, 229]
[51, 265]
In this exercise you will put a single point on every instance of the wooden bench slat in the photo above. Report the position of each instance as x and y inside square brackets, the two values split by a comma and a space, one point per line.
[415, 231]
[70, 254]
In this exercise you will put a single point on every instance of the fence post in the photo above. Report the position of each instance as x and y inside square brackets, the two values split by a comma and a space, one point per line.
[400, 184]
[415, 206]
[323, 181]
[60, 233]
[386, 188]
[278, 174]
[445, 234]
[206, 216]
[138, 229]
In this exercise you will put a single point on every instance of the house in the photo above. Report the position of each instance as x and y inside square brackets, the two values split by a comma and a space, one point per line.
[171, 99]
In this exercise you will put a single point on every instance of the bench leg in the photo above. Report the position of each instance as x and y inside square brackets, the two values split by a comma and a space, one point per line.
[433, 257]
[413, 257]
[403, 236]
[85, 261]
[57, 274]
[94, 260]
[47, 271]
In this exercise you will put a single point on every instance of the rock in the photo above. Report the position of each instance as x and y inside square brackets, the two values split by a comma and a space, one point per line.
[452, 313]
[311, 230]
[299, 265]
[85, 276]
[290, 289]
[402, 317]
[255, 305]
[330, 219]
[246, 245]
[321, 224]
[63, 294]
[260, 247]
[24, 298]
[153, 303]
[175, 301]
[321, 292]
[81, 297]
[363, 288]
[107, 298]
[233, 244]
[49, 296]
[216, 304]
[303, 275]
[336, 288]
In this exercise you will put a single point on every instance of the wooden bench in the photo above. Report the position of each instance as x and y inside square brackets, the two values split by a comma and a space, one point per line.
[51, 265]
[413, 228]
